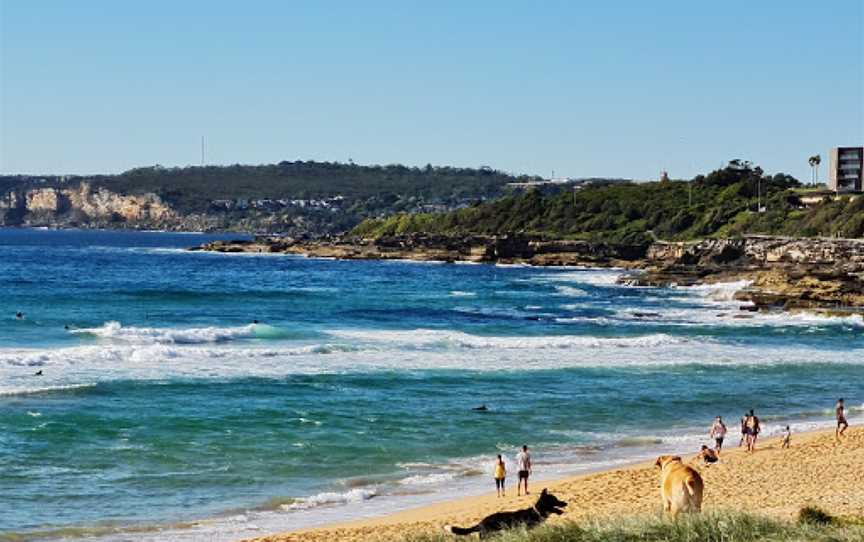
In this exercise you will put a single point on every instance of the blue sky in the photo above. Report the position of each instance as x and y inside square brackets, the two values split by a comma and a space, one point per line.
[621, 89]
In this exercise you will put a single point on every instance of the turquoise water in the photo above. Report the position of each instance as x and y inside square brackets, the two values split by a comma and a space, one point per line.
[163, 404]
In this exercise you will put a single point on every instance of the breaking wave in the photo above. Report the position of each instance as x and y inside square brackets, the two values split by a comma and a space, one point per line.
[329, 498]
[116, 332]
[425, 338]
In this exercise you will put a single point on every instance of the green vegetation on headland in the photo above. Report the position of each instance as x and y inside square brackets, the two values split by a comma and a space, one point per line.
[294, 197]
[723, 203]
[711, 527]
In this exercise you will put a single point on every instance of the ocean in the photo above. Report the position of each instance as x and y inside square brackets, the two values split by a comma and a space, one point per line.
[204, 396]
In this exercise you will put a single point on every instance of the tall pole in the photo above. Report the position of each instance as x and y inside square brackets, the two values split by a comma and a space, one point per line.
[202, 151]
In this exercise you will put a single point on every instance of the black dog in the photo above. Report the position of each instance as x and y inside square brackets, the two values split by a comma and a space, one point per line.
[528, 517]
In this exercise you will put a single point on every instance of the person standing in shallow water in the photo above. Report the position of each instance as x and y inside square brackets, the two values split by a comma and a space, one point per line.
[842, 424]
[523, 463]
[500, 474]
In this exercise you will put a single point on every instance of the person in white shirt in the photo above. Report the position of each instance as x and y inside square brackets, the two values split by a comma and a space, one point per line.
[523, 465]
[718, 433]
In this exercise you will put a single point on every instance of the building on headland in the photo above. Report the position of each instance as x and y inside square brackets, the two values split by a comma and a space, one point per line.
[845, 168]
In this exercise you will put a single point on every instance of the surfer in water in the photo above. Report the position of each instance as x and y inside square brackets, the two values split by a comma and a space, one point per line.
[19, 315]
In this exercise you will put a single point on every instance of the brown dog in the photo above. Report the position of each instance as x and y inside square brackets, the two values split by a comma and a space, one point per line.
[681, 486]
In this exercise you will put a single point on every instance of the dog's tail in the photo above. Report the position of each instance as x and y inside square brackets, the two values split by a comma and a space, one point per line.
[690, 489]
[452, 529]
[694, 497]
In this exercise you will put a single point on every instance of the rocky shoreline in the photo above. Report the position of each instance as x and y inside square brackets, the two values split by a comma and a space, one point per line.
[826, 275]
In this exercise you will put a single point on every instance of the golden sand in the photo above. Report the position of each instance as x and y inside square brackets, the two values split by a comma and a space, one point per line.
[814, 471]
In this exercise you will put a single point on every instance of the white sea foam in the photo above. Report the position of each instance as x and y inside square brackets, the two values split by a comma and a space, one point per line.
[332, 498]
[731, 316]
[571, 291]
[7, 391]
[428, 479]
[719, 291]
[432, 338]
[114, 331]
[372, 350]
[595, 277]
[459, 293]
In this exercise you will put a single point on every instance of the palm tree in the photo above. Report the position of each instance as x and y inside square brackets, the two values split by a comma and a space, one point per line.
[814, 162]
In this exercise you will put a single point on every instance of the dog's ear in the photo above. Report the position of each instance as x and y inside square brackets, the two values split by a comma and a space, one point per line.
[659, 462]
[543, 492]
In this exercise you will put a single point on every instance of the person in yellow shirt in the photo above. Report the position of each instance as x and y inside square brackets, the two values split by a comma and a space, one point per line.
[500, 474]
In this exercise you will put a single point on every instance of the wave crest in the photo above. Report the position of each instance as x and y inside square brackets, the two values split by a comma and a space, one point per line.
[424, 338]
[115, 331]
[331, 498]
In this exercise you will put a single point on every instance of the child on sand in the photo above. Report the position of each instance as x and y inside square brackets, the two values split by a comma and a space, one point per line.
[500, 473]
[787, 435]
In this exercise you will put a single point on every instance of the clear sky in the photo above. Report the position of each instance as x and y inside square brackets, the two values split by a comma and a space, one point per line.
[621, 89]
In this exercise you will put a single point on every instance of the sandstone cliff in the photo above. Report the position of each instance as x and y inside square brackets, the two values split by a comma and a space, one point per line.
[84, 205]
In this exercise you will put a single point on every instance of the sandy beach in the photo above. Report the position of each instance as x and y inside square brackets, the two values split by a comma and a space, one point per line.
[814, 471]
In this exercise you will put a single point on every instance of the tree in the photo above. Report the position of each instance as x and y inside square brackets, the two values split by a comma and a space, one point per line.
[814, 162]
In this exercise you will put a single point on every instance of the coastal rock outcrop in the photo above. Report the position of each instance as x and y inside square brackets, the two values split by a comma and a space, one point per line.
[470, 248]
[786, 273]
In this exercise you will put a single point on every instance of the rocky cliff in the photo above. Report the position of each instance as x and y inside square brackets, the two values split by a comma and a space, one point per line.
[83, 205]
[787, 273]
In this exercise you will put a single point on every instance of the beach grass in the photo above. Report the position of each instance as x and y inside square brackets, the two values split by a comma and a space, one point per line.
[709, 527]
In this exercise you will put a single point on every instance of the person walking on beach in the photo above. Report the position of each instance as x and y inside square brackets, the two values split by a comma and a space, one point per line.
[523, 464]
[500, 473]
[743, 430]
[718, 433]
[787, 436]
[753, 430]
[842, 424]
